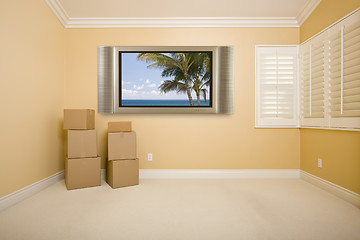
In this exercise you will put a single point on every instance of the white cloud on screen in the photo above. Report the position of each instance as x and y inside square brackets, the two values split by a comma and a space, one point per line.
[138, 87]
[150, 94]
[129, 92]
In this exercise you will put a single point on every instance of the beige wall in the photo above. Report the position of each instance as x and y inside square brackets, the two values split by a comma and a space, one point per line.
[31, 93]
[188, 141]
[340, 150]
[326, 13]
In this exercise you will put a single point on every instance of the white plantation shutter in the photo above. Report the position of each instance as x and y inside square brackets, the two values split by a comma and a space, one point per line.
[351, 71]
[344, 73]
[329, 80]
[330, 77]
[335, 72]
[276, 86]
[304, 75]
[312, 82]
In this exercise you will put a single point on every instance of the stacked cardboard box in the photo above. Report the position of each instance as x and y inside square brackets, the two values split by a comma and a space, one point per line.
[82, 164]
[122, 165]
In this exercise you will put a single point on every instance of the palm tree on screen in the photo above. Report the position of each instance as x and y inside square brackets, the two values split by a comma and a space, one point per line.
[199, 87]
[199, 73]
[176, 65]
[191, 71]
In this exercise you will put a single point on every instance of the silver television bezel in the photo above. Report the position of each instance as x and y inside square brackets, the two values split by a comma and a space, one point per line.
[109, 80]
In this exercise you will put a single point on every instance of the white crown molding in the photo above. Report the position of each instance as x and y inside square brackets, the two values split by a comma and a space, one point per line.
[29, 191]
[77, 22]
[309, 7]
[59, 11]
[337, 190]
[218, 173]
[179, 22]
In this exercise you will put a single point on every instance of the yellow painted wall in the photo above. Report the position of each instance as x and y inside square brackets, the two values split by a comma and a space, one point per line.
[326, 13]
[340, 153]
[31, 93]
[188, 141]
[340, 150]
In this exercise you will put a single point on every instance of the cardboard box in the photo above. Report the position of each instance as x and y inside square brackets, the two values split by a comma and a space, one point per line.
[81, 143]
[121, 145]
[79, 119]
[124, 126]
[123, 173]
[82, 172]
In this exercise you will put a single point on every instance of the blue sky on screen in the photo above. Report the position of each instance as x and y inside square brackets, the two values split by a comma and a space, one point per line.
[140, 82]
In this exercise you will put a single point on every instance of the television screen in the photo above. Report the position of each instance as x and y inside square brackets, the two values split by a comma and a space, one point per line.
[165, 79]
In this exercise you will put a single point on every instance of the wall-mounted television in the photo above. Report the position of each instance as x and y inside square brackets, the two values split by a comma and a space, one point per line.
[165, 79]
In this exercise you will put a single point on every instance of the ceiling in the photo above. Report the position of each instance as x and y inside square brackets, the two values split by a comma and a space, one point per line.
[174, 13]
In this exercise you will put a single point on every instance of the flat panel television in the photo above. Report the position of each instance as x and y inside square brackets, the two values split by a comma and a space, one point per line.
[164, 79]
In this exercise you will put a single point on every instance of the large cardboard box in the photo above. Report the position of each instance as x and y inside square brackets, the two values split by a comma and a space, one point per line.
[81, 143]
[82, 172]
[123, 173]
[124, 126]
[121, 145]
[79, 119]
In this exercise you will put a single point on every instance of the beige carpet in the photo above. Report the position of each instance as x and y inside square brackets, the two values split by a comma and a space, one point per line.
[184, 209]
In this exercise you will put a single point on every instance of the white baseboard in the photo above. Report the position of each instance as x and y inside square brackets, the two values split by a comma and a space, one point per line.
[30, 190]
[337, 190]
[219, 173]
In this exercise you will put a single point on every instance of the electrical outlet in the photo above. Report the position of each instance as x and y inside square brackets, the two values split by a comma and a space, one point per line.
[319, 163]
[149, 156]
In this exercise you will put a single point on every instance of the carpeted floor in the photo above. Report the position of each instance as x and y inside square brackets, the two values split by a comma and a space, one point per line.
[170, 209]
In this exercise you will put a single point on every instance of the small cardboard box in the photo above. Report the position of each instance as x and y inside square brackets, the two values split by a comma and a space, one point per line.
[124, 126]
[82, 172]
[81, 143]
[79, 119]
[123, 173]
[121, 145]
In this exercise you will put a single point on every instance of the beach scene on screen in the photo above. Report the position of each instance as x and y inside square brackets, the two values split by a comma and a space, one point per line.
[162, 79]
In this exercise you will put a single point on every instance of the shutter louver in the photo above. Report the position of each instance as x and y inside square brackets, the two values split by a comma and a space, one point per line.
[276, 86]
[305, 81]
[312, 83]
[335, 72]
[317, 81]
[344, 73]
[345, 94]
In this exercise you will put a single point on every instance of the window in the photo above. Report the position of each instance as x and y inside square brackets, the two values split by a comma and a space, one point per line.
[276, 86]
[330, 77]
[329, 80]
